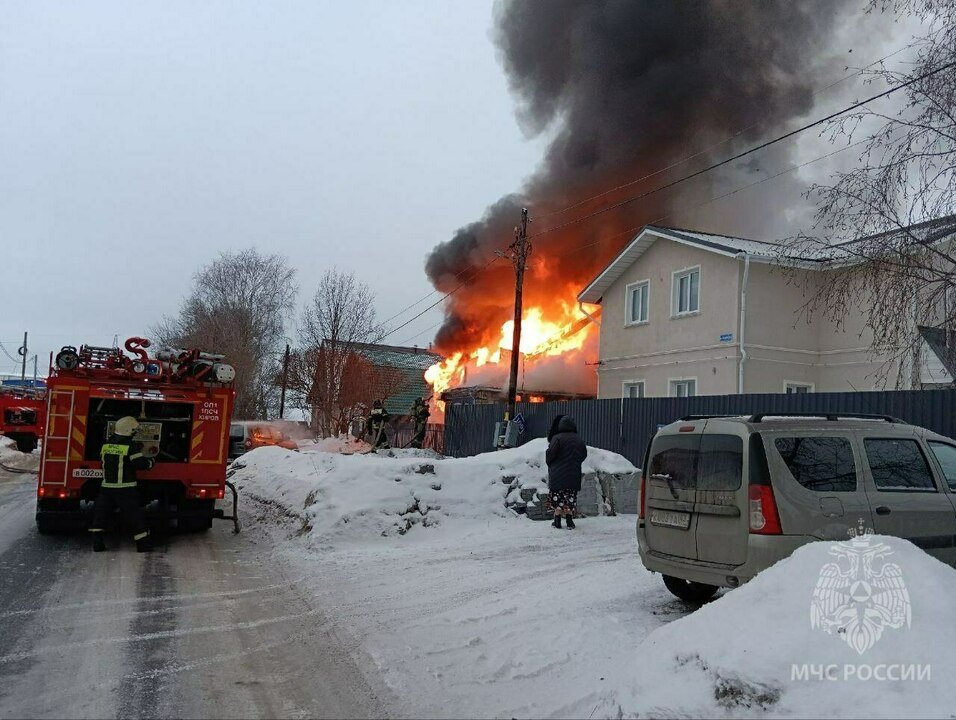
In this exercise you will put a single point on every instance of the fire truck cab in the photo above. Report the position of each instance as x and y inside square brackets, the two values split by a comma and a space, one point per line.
[183, 401]
[22, 412]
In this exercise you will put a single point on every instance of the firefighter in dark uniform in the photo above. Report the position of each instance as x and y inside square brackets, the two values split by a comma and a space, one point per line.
[420, 415]
[376, 425]
[122, 457]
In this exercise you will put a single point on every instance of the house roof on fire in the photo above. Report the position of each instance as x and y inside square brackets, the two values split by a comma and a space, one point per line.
[412, 361]
[931, 231]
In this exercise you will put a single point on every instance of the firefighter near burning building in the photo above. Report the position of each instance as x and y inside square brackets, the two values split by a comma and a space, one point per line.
[420, 415]
[121, 457]
[138, 433]
[377, 419]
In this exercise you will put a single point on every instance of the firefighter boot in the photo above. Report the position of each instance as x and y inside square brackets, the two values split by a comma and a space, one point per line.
[98, 544]
[144, 544]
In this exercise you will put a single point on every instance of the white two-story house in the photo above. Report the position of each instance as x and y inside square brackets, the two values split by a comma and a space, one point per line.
[691, 313]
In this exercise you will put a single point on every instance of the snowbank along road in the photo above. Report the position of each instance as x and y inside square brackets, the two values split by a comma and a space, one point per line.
[206, 626]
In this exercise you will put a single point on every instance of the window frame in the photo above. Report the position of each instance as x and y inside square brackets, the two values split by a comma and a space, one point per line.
[628, 289]
[671, 381]
[849, 439]
[787, 384]
[627, 383]
[675, 291]
[901, 490]
[951, 487]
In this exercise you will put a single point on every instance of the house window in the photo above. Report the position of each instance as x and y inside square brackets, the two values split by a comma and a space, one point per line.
[683, 387]
[686, 292]
[633, 389]
[797, 388]
[637, 295]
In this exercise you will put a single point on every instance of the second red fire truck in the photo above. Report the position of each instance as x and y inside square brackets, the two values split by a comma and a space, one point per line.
[22, 413]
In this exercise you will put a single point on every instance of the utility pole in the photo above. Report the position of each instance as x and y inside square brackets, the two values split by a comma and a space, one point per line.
[285, 380]
[34, 371]
[23, 355]
[518, 253]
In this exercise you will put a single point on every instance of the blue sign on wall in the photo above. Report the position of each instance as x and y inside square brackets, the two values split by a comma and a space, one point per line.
[727, 337]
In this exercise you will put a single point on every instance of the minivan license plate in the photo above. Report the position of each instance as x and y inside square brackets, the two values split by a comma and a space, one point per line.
[666, 518]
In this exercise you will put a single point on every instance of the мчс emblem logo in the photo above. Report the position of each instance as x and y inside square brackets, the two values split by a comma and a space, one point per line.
[860, 594]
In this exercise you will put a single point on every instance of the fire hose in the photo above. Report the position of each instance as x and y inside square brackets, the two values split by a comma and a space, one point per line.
[23, 471]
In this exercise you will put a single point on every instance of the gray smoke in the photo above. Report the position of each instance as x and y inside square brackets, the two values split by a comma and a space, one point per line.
[626, 87]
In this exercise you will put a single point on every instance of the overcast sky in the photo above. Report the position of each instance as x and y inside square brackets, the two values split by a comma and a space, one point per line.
[139, 140]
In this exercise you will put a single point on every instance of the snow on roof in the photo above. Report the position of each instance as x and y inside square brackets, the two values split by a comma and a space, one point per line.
[720, 244]
[926, 232]
[397, 356]
[411, 361]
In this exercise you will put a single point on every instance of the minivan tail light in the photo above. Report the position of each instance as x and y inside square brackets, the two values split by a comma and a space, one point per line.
[764, 518]
[643, 490]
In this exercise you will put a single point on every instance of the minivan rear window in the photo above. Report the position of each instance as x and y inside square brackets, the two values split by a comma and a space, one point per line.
[674, 460]
[821, 464]
[721, 462]
[704, 462]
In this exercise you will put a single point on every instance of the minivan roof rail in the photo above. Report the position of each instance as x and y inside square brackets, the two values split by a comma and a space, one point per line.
[758, 417]
[688, 418]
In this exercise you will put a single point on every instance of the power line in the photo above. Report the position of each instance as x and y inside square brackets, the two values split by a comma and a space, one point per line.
[704, 151]
[12, 359]
[422, 332]
[440, 300]
[676, 163]
[678, 181]
[626, 232]
[744, 153]
[558, 334]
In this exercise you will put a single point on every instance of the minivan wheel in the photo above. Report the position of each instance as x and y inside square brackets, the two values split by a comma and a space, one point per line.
[692, 592]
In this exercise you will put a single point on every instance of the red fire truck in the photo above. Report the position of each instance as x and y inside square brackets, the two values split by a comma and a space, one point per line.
[22, 414]
[183, 401]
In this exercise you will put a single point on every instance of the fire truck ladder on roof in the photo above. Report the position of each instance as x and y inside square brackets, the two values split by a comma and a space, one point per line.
[52, 424]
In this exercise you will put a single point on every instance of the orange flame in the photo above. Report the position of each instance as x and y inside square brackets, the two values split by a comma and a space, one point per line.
[565, 332]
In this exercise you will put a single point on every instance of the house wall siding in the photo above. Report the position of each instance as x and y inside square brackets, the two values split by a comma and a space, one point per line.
[781, 344]
[669, 347]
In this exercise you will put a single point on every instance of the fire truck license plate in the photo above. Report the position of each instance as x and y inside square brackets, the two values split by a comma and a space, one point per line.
[665, 518]
[87, 473]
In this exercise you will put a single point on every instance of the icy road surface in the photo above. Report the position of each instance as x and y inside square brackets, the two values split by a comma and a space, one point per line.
[206, 626]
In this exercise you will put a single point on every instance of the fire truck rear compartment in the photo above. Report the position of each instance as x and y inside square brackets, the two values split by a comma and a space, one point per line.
[166, 502]
[175, 418]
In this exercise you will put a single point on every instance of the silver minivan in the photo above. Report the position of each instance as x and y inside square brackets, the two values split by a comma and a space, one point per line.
[723, 498]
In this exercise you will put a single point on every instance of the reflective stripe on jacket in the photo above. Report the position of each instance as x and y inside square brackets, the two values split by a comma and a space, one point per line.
[120, 456]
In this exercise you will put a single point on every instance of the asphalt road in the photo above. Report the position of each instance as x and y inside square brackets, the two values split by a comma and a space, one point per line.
[208, 625]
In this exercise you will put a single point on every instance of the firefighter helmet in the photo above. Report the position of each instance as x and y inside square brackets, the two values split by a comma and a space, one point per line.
[126, 426]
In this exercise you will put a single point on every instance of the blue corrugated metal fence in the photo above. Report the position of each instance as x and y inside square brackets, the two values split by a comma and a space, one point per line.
[627, 425]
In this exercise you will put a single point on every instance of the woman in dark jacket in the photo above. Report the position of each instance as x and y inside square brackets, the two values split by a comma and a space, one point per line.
[553, 430]
[566, 452]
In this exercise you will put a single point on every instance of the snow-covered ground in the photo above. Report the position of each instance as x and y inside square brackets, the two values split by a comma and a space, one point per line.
[753, 652]
[470, 611]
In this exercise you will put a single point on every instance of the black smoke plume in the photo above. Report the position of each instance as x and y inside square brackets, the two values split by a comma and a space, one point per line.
[626, 87]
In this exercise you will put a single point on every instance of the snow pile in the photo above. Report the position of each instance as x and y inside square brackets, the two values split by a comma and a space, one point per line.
[753, 652]
[358, 496]
[8, 448]
[343, 444]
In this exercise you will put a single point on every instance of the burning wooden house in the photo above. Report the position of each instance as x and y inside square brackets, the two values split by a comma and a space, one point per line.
[488, 394]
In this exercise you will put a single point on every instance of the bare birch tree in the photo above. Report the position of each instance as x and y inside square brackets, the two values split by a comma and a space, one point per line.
[340, 314]
[238, 307]
[891, 216]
